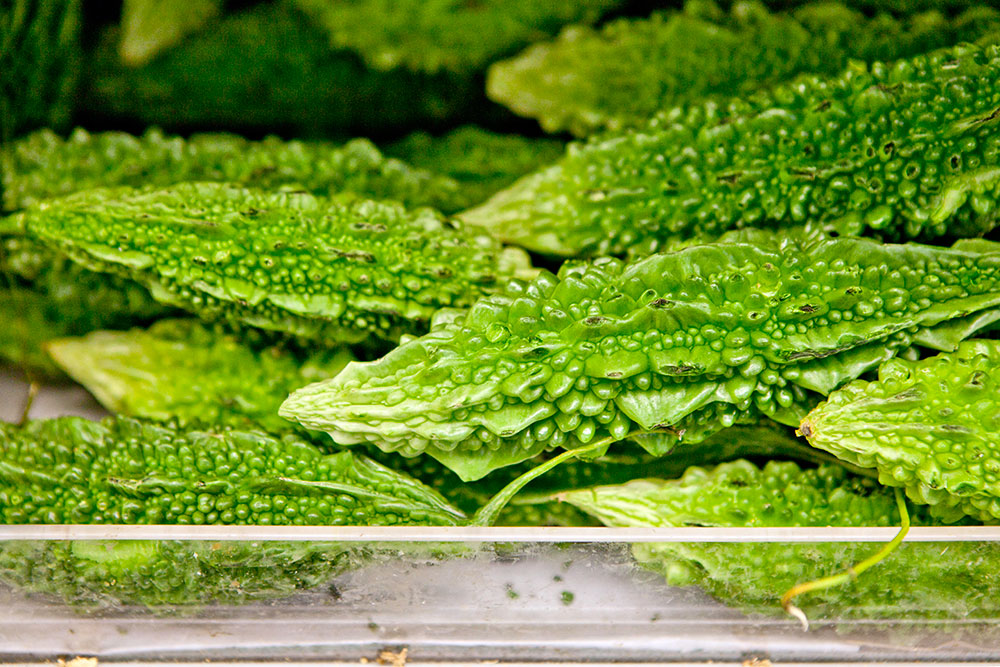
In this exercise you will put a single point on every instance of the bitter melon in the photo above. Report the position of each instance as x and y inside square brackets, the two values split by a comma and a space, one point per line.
[681, 344]
[187, 371]
[444, 35]
[122, 471]
[620, 76]
[329, 270]
[43, 165]
[904, 150]
[481, 162]
[929, 426]
[918, 580]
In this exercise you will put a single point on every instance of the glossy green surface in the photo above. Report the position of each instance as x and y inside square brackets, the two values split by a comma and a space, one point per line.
[43, 165]
[906, 150]
[622, 74]
[929, 426]
[329, 270]
[680, 344]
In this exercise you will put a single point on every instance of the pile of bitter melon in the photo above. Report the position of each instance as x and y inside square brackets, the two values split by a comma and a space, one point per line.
[754, 284]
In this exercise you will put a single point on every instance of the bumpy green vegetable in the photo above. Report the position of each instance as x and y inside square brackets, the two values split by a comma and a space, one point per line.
[918, 580]
[39, 63]
[43, 165]
[905, 150]
[331, 270]
[620, 76]
[150, 26]
[928, 426]
[266, 68]
[71, 470]
[185, 370]
[449, 35]
[482, 162]
[681, 344]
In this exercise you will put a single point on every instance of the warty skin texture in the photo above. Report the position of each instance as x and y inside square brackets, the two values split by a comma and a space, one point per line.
[122, 471]
[618, 76]
[918, 580]
[330, 270]
[43, 165]
[680, 344]
[928, 426]
[905, 150]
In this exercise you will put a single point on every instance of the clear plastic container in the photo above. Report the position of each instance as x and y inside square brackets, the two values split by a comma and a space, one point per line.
[445, 594]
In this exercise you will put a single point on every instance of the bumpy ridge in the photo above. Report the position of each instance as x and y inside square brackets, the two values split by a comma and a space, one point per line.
[929, 426]
[699, 339]
[905, 150]
[332, 270]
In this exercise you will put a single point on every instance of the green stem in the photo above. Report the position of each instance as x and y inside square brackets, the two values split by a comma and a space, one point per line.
[850, 573]
[488, 513]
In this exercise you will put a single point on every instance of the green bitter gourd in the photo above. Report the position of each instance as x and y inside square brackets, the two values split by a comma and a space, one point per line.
[903, 150]
[679, 344]
[929, 426]
[330, 270]
[919, 580]
[621, 75]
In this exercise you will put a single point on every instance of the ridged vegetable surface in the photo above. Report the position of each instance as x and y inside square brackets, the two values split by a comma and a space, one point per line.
[680, 344]
[268, 68]
[43, 165]
[482, 162]
[39, 63]
[71, 470]
[621, 75]
[906, 150]
[190, 372]
[444, 35]
[330, 270]
[929, 426]
[918, 580]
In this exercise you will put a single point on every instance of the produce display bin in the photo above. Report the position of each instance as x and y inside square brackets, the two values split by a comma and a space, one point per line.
[473, 594]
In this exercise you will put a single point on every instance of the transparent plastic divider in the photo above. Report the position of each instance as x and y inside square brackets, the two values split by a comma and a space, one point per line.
[536, 594]
[494, 534]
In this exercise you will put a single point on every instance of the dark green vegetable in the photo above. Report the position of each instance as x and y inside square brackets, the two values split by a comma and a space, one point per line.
[620, 76]
[481, 162]
[907, 150]
[43, 165]
[929, 426]
[193, 373]
[267, 68]
[444, 35]
[919, 580]
[122, 471]
[39, 63]
[329, 270]
[681, 344]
